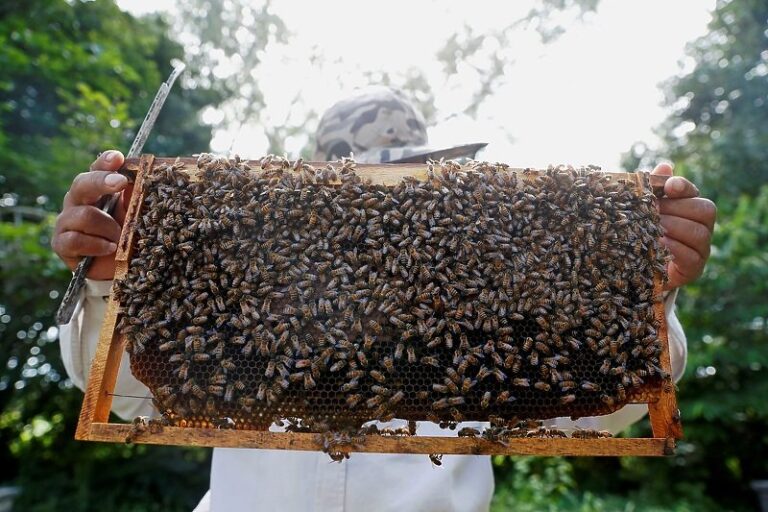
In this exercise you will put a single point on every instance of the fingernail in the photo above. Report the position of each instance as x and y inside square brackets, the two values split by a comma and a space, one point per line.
[112, 247]
[109, 156]
[678, 185]
[115, 180]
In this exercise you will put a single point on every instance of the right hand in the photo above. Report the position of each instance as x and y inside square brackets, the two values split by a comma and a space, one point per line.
[82, 229]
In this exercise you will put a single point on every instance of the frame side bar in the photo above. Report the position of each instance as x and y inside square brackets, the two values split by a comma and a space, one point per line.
[109, 352]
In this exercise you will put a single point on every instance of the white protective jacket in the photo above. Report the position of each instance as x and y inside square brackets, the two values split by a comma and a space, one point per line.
[250, 480]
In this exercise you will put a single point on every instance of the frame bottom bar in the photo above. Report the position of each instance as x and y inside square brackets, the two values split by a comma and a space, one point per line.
[603, 447]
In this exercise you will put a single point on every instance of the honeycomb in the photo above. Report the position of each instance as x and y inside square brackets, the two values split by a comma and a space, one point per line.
[289, 291]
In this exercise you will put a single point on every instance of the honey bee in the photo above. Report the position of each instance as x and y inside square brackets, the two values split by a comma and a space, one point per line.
[349, 386]
[355, 374]
[411, 354]
[528, 344]
[378, 376]
[375, 327]
[440, 388]
[201, 357]
[440, 404]
[521, 382]
[436, 459]
[461, 369]
[396, 398]
[621, 392]
[430, 361]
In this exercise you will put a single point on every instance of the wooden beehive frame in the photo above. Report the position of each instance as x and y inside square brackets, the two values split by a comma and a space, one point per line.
[94, 424]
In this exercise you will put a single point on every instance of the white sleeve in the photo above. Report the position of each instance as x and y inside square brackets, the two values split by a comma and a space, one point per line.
[78, 340]
[629, 414]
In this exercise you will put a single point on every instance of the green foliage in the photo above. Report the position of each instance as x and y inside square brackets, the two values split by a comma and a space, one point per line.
[40, 407]
[557, 484]
[717, 135]
[79, 80]
[75, 81]
[718, 132]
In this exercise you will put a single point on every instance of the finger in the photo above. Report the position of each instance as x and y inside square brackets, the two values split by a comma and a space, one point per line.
[89, 220]
[88, 187]
[72, 244]
[110, 160]
[686, 262]
[664, 169]
[698, 209]
[678, 187]
[691, 233]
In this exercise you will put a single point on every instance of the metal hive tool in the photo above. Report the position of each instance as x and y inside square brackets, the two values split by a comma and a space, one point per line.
[260, 291]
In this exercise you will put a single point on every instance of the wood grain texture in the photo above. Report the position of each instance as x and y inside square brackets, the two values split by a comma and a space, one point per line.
[387, 444]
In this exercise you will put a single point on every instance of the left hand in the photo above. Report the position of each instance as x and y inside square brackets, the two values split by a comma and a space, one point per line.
[688, 221]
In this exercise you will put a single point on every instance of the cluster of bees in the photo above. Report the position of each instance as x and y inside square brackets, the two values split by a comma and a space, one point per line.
[285, 290]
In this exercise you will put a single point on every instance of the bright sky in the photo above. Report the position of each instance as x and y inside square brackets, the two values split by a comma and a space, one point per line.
[583, 99]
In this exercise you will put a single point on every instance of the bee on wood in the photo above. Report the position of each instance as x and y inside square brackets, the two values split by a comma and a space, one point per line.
[590, 434]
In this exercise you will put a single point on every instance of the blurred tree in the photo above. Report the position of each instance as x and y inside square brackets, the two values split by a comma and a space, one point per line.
[717, 135]
[80, 79]
[77, 77]
[718, 131]
[226, 41]
[485, 58]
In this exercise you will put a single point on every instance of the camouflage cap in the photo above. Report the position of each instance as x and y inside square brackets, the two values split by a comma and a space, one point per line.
[379, 125]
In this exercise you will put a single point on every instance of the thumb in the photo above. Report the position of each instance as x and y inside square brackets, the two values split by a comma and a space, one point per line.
[664, 169]
[110, 160]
